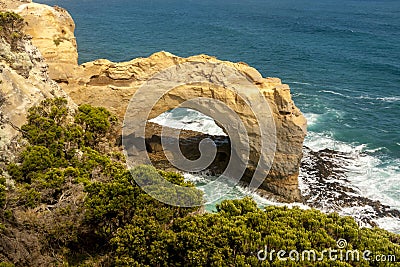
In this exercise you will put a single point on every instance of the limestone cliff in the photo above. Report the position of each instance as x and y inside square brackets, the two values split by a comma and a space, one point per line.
[12, 4]
[52, 31]
[24, 83]
[109, 84]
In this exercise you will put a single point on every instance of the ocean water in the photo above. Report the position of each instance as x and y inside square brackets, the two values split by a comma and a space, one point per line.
[341, 59]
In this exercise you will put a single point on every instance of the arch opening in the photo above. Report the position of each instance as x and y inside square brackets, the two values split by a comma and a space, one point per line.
[194, 127]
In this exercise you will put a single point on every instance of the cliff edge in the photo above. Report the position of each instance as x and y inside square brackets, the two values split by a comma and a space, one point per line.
[24, 82]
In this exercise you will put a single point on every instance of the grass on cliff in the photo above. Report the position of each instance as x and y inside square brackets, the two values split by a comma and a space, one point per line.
[73, 192]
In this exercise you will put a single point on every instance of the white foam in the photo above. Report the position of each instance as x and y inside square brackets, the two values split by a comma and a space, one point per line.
[194, 178]
[358, 213]
[365, 97]
[374, 150]
[318, 141]
[304, 188]
[389, 223]
[333, 93]
[376, 180]
[188, 119]
[389, 99]
[302, 83]
[220, 188]
[312, 118]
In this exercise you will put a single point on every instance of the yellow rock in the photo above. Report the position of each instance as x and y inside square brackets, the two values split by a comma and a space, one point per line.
[52, 31]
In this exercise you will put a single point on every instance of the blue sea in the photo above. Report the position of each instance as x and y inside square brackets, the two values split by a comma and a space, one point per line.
[341, 59]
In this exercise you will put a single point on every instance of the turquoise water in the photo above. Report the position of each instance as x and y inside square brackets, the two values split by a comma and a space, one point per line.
[341, 59]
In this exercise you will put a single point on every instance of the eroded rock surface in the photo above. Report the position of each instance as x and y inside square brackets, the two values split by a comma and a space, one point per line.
[24, 83]
[12, 4]
[52, 31]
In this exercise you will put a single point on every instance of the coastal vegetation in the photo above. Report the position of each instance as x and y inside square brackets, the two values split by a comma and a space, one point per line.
[71, 190]
[11, 25]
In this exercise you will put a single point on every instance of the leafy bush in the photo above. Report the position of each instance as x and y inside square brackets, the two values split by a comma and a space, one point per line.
[60, 153]
[96, 122]
[114, 204]
[234, 235]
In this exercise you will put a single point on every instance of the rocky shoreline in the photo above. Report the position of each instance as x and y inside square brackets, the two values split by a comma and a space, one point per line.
[324, 182]
[326, 186]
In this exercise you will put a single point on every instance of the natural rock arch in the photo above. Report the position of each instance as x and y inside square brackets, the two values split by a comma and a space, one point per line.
[175, 97]
[290, 124]
[112, 85]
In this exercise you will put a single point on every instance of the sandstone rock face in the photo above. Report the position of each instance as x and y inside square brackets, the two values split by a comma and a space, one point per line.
[24, 83]
[12, 4]
[52, 31]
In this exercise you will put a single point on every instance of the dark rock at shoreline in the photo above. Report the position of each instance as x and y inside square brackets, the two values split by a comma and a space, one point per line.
[327, 187]
[189, 144]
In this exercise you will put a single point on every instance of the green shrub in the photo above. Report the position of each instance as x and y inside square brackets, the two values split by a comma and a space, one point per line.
[234, 235]
[59, 152]
[29, 197]
[11, 25]
[96, 122]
